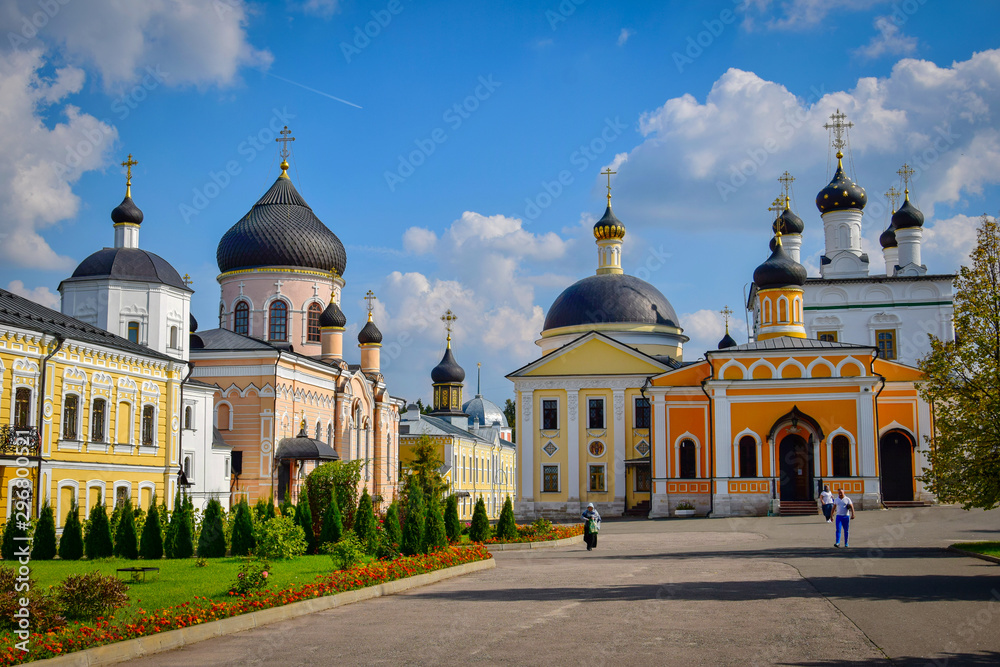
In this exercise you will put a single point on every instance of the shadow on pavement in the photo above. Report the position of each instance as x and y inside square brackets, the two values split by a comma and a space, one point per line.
[858, 552]
[938, 660]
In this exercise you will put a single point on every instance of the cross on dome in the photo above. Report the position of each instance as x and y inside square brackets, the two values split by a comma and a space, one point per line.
[786, 184]
[905, 172]
[607, 172]
[726, 312]
[893, 196]
[284, 153]
[128, 164]
[448, 318]
[371, 299]
[839, 129]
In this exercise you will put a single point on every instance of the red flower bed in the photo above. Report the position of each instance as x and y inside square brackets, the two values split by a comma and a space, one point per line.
[528, 534]
[201, 610]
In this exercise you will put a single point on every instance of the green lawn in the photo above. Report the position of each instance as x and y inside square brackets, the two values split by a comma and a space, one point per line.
[988, 548]
[180, 580]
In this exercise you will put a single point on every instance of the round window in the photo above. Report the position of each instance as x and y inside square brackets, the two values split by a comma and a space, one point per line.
[597, 448]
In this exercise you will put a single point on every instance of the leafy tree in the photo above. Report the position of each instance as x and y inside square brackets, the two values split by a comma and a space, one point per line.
[963, 384]
[260, 510]
[479, 531]
[43, 546]
[341, 477]
[424, 409]
[413, 524]
[97, 542]
[506, 527]
[510, 412]
[390, 526]
[212, 541]
[126, 541]
[71, 542]
[364, 523]
[243, 540]
[452, 524]
[435, 536]
[426, 468]
[287, 509]
[303, 518]
[151, 540]
[333, 523]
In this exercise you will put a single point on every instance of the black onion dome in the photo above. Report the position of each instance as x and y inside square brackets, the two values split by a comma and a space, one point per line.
[448, 371]
[281, 230]
[369, 334]
[192, 323]
[779, 270]
[127, 211]
[610, 297]
[332, 316]
[908, 216]
[841, 194]
[727, 341]
[609, 227]
[128, 264]
[790, 223]
[888, 238]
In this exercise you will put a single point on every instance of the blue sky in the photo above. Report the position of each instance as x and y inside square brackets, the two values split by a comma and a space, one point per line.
[455, 147]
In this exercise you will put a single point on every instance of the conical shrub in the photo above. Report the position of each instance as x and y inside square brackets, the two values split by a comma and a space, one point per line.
[243, 541]
[180, 541]
[43, 546]
[97, 542]
[333, 523]
[452, 525]
[212, 541]
[479, 531]
[413, 524]
[506, 527]
[303, 519]
[71, 542]
[435, 536]
[151, 540]
[390, 525]
[126, 541]
[364, 523]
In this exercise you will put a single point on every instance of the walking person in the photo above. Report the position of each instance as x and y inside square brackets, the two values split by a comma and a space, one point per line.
[592, 524]
[845, 512]
[826, 499]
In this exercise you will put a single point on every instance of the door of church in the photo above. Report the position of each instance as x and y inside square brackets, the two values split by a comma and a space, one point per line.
[284, 477]
[896, 456]
[795, 464]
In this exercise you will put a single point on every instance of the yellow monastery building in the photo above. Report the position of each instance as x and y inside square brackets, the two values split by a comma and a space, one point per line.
[611, 414]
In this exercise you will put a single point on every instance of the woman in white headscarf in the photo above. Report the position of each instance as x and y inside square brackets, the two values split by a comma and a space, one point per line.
[592, 524]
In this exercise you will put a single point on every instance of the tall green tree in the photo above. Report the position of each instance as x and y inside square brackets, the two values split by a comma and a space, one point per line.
[43, 545]
[303, 518]
[425, 466]
[510, 412]
[212, 541]
[506, 527]
[97, 542]
[364, 522]
[963, 384]
[341, 477]
[390, 524]
[479, 531]
[71, 542]
[413, 523]
[435, 536]
[452, 524]
[126, 541]
[151, 540]
[333, 524]
[180, 540]
[243, 540]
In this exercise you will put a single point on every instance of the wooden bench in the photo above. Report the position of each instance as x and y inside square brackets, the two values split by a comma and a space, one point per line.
[134, 572]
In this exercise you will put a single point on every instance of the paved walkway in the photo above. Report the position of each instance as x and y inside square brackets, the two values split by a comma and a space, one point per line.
[761, 591]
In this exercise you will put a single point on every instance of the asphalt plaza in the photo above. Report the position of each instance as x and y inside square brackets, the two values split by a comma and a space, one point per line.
[754, 591]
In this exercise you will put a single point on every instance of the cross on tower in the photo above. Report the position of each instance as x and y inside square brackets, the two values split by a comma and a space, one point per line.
[839, 127]
[904, 173]
[187, 280]
[284, 139]
[278, 284]
[370, 298]
[128, 164]
[448, 318]
[893, 196]
[607, 172]
[777, 207]
[726, 312]
[786, 183]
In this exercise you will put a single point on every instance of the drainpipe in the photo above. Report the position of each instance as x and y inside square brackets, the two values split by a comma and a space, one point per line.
[180, 438]
[40, 427]
[274, 419]
[711, 439]
[878, 448]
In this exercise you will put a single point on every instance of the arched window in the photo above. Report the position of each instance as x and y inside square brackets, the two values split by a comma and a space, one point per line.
[278, 321]
[689, 469]
[71, 413]
[782, 310]
[748, 457]
[133, 332]
[222, 418]
[148, 426]
[188, 417]
[173, 337]
[841, 456]
[98, 416]
[241, 318]
[767, 311]
[313, 324]
[22, 407]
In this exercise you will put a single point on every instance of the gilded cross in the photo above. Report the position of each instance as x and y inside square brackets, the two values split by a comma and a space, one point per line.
[904, 173]
[284, 139]
[839, 127]
[448, 318]
[607, 172]
[371, 299]
[786, 183]
[777, 207]
[726, 312]
[893, 196]
[187, 280]
[128, 164]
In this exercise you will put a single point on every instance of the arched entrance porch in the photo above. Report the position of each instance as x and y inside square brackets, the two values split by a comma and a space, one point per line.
[896, 459]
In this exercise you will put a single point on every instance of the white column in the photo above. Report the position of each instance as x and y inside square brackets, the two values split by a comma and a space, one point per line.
[723, 434]
[659, 443]
[866, 434]
[573, 444]
[908, 240]
[619, 461]
[526, 450]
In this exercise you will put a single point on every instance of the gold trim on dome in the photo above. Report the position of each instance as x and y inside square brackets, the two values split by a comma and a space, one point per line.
[266, 269]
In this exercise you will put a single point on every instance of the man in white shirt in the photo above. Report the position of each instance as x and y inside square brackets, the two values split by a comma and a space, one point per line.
[826, 499]
[845, 512]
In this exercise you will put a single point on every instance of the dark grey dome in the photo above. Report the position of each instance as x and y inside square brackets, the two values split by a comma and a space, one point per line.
[908, 216]
[281, 230]
[727, 341]
[127, 211]
[779, 270]
[790, 223]
[841, 194]
[448, 371]
[610, 297]
[192, 323]
[332, 316]
[128, 264]
[609, 227]
[369, 334]
[888, 238]
[486, 410]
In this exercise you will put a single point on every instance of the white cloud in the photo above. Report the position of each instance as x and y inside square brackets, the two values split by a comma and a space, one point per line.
[323, 8]
[41, 294]
[889, 41]
[35, 184]
[949, 242]
[189, 41]
[796, 14]
[419, 241]
[706, 328]
[624, 35]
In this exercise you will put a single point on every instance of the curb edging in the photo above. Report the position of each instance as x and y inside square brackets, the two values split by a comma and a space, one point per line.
[986, 557]
[548, 544]
[140, 647]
